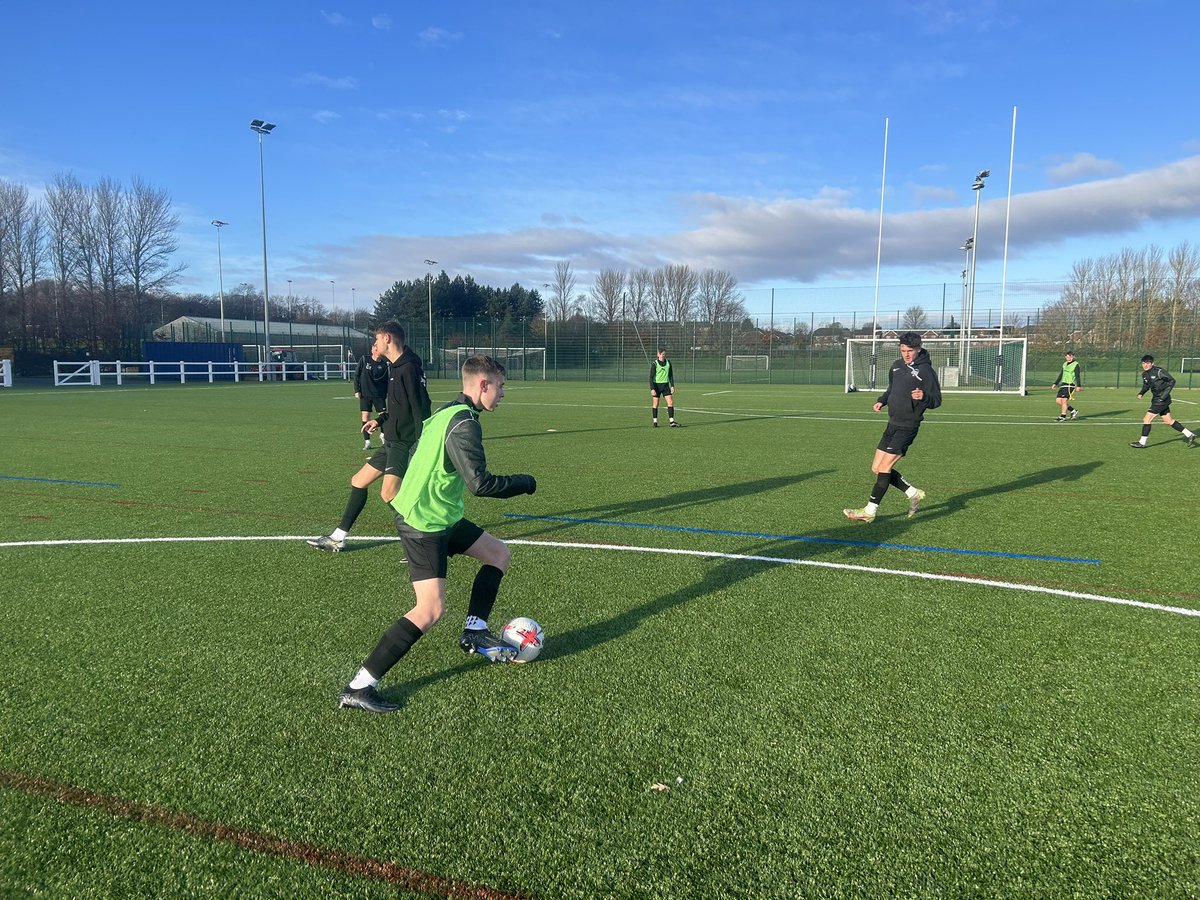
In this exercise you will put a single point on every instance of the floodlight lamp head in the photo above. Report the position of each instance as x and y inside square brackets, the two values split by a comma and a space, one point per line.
[219, 223]
[261, 126]
[431, 262]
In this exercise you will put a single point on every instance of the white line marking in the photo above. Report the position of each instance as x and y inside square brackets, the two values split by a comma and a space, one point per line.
[707, 554]
[714, 393]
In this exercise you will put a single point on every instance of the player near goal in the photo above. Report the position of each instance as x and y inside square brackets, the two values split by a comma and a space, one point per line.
[912, 389]
[1158, 384]
[406, 408]
[662, 384]
[448, 461]
[1069, 381]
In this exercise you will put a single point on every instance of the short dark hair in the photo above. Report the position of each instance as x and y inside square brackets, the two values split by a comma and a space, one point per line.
[911, 339]
[483, 365]
[1068, 353]
[392, 327]
[662, 349]
[1147, 358]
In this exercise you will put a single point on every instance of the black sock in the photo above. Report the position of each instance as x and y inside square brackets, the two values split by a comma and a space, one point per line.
[1145, 431]
[897, 480]
[484, 591]
[882, 480]
[654, 413]
[1070, 408]
[354, 506]
[1177, 426]
[396, 641]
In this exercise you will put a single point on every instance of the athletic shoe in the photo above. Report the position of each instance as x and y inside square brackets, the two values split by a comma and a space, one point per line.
[1074, 414]
[487, 645]
[914, 502]
[654, 424]
[859, 515]
[675, 425]
[367, 444]
[366, 698]
[1138, 445]
[1061, 419]
[1191, 442]
[325, 542]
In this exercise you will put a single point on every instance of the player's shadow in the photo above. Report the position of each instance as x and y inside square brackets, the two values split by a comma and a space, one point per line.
[660, 504]
[1103, 414]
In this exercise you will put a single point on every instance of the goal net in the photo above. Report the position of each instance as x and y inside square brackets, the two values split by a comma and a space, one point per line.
[521, 363]
[974, 365]
[751, 363]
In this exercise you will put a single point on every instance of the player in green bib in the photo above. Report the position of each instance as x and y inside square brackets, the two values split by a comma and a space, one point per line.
[448, 461]
[1069, 382]
[662, 384]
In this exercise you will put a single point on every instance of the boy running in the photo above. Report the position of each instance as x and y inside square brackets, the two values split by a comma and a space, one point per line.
[1158, 384]
[912, 389]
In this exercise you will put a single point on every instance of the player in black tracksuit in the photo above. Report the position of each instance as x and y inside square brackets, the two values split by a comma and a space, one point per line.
[406, 409]
[370, 388]
[1158, 384]
[912, 389]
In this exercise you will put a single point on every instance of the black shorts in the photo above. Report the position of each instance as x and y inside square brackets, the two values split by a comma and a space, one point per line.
[428, 552]
[1065, 391]
[367, 404]
[391, 458]
[897, 439]
[1160, 407]
[661, 390]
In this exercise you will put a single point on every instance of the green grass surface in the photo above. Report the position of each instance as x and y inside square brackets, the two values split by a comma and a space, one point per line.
[838, 731]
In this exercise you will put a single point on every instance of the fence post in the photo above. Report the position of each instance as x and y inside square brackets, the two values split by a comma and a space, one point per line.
[95, 367]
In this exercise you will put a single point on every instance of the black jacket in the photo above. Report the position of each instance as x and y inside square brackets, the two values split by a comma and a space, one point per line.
[903, 379]
[408, 404]
[371, 378]
[464, 452]
[1157, 383]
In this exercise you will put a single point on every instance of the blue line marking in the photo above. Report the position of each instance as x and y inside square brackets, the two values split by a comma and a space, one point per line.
[58, 481]
[810, 540]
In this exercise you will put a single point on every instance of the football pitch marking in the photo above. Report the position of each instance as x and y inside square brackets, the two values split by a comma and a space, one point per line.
[671, 551]
[256, 841]
[58, 481]
[810, 540]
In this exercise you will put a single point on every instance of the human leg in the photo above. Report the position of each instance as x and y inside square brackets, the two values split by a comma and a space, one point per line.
[355, 503]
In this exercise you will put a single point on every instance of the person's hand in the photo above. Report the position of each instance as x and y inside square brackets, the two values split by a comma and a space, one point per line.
[357, 395]
[1078, 390]
[918, 394]
[370, 426]
[877, 407]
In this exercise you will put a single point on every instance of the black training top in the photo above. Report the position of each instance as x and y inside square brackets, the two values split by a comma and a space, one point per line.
[371, 378]
[903, 379]
[1157, 383]
[407, 400]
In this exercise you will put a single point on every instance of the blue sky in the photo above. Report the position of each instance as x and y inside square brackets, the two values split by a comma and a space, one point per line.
[499, 138]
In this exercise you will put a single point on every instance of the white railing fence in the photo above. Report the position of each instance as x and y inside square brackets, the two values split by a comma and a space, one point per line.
[5, 373]
[98, 372]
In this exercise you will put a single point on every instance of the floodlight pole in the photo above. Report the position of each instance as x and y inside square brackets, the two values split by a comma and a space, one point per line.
[260, 128]
[220, 274]
[977, 187]
[429, 290]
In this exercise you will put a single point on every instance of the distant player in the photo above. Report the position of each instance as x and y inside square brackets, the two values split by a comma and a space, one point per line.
[1069, 383]
[370, 389]
[1158, 384]
[662, 384]
[447, 463]
[406, 408]
[912, 389]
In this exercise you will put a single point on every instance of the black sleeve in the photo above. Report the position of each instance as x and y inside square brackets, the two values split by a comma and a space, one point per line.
[1167, 380]
[652, 374]
[933, 390]
[358, 376]
[464, 445]
[670, 373]
[418, 400]
[1079, 375]
[882, 399]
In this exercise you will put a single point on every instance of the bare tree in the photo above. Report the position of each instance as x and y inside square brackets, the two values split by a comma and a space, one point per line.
[640, 281]
[561, 304]
[22, 251]
[606, 295]
[915, 318]
[681, 283]
[107, 228]
[64, 198]
[150, 240]
[717, 297]
[660, 301]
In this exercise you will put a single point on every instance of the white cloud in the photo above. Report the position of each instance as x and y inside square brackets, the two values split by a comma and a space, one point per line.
[345, 83]
[437, 37]
[929, 195]
[335, 19]
[1080, 167]
[325, 116]
[381, 22]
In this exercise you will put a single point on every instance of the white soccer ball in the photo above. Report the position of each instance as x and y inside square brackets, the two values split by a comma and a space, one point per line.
[526, 635]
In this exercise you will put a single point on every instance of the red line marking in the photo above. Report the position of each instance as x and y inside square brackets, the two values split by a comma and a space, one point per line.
[35, 517]
[257, 841]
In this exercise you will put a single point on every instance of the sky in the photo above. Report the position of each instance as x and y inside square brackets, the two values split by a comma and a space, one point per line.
[501, 138]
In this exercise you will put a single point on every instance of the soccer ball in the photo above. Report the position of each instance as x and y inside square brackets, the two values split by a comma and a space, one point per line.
[526, 635]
